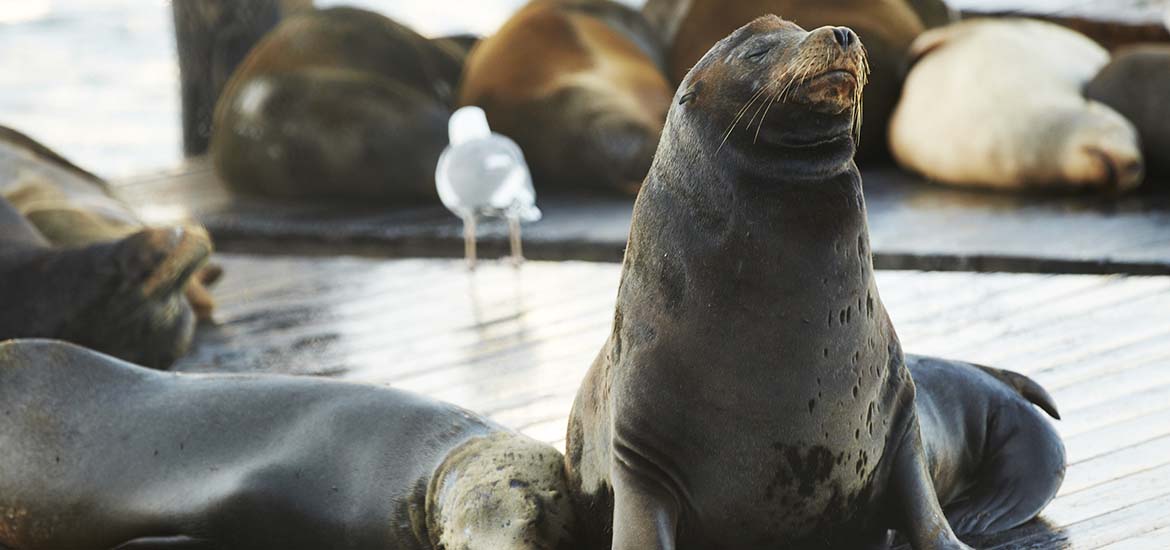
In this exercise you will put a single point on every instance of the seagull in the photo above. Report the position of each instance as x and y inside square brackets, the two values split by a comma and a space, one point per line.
[483, 174]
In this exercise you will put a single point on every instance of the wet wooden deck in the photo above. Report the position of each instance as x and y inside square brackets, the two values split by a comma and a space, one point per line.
[913, 225]
[515, 344]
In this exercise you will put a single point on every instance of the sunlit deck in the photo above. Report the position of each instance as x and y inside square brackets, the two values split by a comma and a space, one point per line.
[515, 344]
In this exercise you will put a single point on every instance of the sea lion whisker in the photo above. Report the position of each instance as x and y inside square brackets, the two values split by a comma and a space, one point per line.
[743, 111]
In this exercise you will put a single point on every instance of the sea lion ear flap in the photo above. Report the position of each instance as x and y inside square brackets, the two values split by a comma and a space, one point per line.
[161, 261]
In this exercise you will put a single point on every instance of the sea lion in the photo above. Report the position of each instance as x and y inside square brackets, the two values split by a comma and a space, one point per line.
[995, 461]
[1136, 83]
[968, 117]
[122, 297]
[103, 454]
[886, 27]
[72, 207]
[337, 103]
[753, 392]
[579, 85]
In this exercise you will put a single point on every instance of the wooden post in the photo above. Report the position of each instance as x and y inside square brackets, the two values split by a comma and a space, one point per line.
[213, 36]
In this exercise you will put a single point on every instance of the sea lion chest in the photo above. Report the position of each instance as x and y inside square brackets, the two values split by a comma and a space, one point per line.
[757, 369]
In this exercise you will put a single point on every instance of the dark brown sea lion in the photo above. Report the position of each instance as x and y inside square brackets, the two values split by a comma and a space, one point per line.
[886, 27]
[72, 207]
[753, 392]
[122, 297]
[1136, 83]
[338, 103]
[102, 454]
[579, 85]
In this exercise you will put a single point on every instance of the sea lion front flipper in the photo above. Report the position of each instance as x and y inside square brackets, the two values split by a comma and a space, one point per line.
[167, 543]
[922, 522]
[644, 516]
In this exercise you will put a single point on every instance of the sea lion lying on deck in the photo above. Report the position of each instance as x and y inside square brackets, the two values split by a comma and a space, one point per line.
[103, 454]
[1136, 83]
[886, 27]
[72, 207]
[122, 297]
[579, 85]
[999, 104]
[337, 103]
[753, 392]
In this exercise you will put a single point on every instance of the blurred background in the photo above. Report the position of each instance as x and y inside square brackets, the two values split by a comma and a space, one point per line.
[98, 80]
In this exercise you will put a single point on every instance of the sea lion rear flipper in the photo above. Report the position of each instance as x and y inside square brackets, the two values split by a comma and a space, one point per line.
[1026, 387]
[167, 543]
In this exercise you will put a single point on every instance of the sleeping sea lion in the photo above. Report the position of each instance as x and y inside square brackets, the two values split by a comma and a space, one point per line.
[969, 117]
[1136, 83]
[103, 454]
[121, 297]
[753, 392]
[72, 207]
[337, 103]
[579, 85]
[886, 27]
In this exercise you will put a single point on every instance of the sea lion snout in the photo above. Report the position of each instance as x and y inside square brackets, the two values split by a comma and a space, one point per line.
[834, 70]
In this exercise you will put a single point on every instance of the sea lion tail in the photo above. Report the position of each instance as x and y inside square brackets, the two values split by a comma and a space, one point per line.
[1027, 388]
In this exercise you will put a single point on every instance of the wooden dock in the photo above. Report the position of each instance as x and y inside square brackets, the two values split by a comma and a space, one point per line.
[515, 345]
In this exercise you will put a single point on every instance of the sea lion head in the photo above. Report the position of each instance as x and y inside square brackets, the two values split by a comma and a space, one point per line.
[1095, 146]
[771, 84]
[140, 313]
[501, 492]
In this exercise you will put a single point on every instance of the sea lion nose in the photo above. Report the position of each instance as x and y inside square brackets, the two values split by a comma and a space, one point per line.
[845, 37]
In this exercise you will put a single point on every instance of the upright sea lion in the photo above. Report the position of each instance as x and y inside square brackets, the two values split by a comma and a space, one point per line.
[579, 85]
[998, 103]
[1136, 83]
[122, 297]
[886, 27]
[753, 392]
[103, 454]
[337, 103]
[72, 207]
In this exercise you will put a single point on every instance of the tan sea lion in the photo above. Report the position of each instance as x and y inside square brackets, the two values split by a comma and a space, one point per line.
[753, 393]
[579, 85]
[1136, 83]
[886, 27]
[998, 103]
[337, 103]
[72, 207]
[100, 454]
